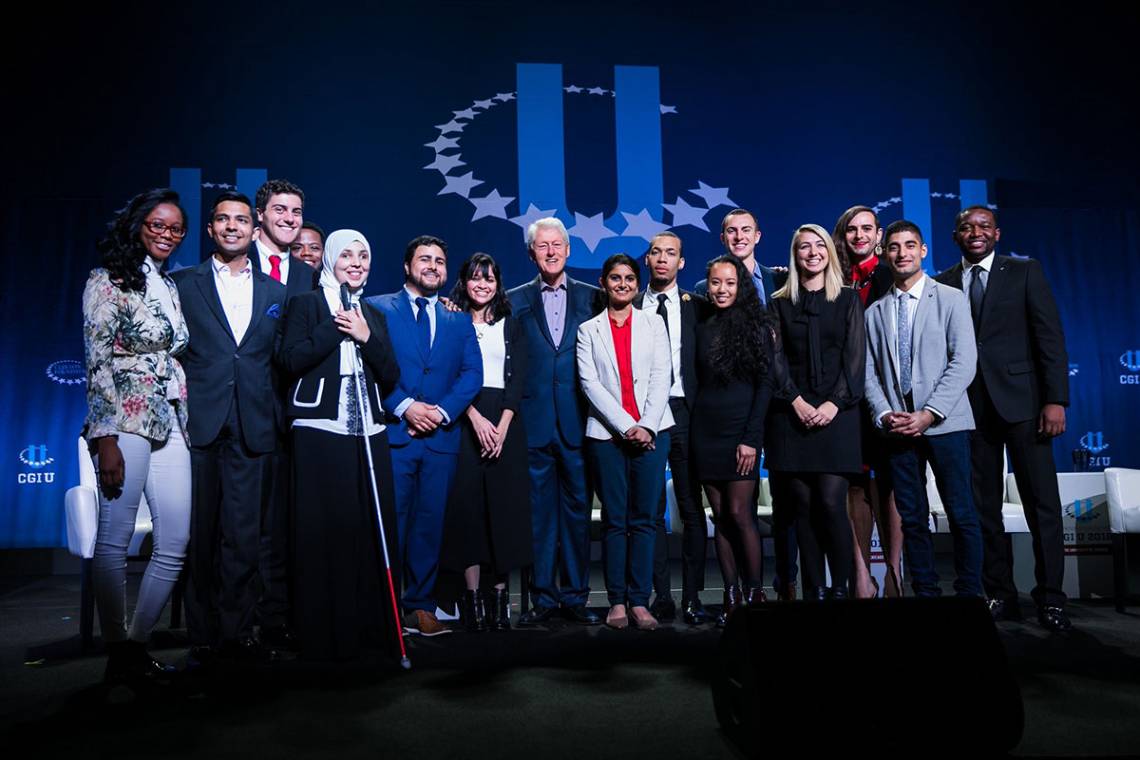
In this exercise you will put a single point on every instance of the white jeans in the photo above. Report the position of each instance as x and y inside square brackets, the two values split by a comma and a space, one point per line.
[162, 472]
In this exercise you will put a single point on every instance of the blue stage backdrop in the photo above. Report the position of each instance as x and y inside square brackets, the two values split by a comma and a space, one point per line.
[469, 120]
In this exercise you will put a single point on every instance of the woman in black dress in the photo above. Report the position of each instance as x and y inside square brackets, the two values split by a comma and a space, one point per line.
[342, 600]
[813, 432]
[487, 524]
[735, 353]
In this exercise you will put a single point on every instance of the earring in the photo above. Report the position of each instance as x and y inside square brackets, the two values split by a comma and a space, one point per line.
[878, 249]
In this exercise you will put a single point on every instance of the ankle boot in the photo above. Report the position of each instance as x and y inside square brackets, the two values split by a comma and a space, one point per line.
[732, 600]
[473, 613]
[754, 597]
[498, 609]
[817, 594]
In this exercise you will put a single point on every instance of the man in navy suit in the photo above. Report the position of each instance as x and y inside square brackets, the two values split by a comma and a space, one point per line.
[279, 205]
[441, 371]
[739, 233]
[550, 307]
[234, 315]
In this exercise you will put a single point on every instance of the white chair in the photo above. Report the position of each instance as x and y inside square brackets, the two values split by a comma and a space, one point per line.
[81, 505]
[1123, 493]
[1012, 511]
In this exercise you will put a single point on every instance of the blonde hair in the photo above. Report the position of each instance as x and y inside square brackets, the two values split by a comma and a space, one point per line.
[832, 276]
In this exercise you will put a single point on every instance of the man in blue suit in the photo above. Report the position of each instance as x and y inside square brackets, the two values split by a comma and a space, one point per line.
[550, 307]
[441, 371]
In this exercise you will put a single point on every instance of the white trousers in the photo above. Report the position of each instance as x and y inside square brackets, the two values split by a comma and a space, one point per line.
[161, 471]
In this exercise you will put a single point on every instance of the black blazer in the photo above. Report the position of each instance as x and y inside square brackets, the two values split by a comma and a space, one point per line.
[219, 372]
[882, 280]
[516, 365]
[692, 309]
[302, 277]
[1022, 361]
[310, 352]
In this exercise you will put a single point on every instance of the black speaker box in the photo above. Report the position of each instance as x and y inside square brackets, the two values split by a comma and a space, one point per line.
[880, 676]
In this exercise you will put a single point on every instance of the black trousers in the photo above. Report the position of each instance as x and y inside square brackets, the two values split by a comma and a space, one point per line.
[687, 491]
[231, 485]
[274, 605]
[1031, 459]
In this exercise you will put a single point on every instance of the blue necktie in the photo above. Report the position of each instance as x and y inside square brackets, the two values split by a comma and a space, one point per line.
[904, 343]
[423, 325]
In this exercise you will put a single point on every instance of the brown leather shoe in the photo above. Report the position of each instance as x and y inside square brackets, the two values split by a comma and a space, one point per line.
[424, 623]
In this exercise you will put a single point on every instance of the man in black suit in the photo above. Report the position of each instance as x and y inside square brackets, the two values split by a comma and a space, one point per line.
[1019, 397]
[280, 214]
[233, 313]
[679, 309]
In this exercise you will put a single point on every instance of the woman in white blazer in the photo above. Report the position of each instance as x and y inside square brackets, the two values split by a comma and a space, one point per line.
[625, 369]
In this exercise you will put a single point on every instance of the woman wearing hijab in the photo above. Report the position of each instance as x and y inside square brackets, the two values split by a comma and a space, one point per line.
[341, 597]
[136, 422]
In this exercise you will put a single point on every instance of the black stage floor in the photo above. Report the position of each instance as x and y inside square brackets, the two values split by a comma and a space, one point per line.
[566, 691]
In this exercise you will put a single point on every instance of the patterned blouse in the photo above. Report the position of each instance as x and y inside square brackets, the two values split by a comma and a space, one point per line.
[134, 383]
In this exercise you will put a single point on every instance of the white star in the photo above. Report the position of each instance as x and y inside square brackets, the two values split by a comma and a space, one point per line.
[443, 143]
[492, 204]
[451, 126]
[483, 103]
[683, 213]
[642, 225]
[936, 195]
[993, 207]
[713, 196]
[668, 109]
[951, 195]
[225, 186]
[460, 185]
[466, 113]
[572, 88]
[896, 199]
[533, 214]
[596, 91]
[444, 164]
[503, 97]
[591, 230]
[207, 184]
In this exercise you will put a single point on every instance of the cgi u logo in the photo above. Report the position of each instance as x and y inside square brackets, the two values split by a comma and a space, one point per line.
[1130, 360]
[36, 456]
[542, 153]
[1083, 509]
[188, 184]
[1093, 442]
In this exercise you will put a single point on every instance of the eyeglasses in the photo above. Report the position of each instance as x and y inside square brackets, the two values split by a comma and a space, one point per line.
[177, 231]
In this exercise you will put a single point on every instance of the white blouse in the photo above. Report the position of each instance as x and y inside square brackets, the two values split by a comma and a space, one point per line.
[493, 347]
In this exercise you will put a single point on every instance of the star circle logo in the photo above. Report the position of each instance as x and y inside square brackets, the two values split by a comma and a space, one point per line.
[67, 372]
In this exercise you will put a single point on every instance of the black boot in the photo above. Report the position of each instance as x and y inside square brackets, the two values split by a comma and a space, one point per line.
[817, 594]
[473, 612]
[498, 606]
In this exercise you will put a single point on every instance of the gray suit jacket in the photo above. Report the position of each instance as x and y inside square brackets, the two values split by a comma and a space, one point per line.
[943, 359]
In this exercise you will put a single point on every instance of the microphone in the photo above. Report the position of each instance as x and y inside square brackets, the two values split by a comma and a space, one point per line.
[345, 298]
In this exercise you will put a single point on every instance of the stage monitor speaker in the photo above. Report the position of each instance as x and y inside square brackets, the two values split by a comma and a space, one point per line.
[895, 676]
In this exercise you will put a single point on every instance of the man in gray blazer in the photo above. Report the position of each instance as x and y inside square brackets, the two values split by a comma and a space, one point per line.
[921, 358]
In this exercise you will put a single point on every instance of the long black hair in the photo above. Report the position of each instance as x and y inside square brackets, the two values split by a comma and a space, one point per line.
[739, 350]
[482, 263]
[121, 248]
[619, 259]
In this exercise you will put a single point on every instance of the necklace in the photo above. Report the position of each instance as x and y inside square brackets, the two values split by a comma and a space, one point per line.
[481, 329]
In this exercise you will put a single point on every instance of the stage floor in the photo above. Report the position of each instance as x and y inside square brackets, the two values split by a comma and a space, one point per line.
[564, 692]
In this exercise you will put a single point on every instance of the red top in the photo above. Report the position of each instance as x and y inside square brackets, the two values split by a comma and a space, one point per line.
[861, 276]
[623, 347]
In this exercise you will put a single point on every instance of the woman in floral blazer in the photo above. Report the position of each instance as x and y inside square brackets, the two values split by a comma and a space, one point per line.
[136, 421]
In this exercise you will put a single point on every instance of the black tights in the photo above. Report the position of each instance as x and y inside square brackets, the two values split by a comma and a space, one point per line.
[819, 502]
[737, 539]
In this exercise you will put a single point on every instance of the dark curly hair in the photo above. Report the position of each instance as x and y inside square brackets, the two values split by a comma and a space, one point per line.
[276, 187]
[482, 263]
[121, 248]
[739, 350]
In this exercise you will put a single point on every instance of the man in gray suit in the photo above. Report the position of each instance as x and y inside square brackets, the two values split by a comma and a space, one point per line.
[921, 358]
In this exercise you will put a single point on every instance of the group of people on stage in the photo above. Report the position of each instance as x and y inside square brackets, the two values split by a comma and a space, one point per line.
[324, 469]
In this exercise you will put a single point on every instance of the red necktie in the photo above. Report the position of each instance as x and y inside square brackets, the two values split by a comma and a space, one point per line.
[275, 267]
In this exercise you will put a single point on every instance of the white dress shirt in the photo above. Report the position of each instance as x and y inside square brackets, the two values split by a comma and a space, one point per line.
[263, 254]
[236, 295]
[673, 309]
[968, 272]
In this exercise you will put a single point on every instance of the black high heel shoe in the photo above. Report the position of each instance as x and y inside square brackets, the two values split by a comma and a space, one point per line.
[129, 663]
[473, 612]
[732, 600]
